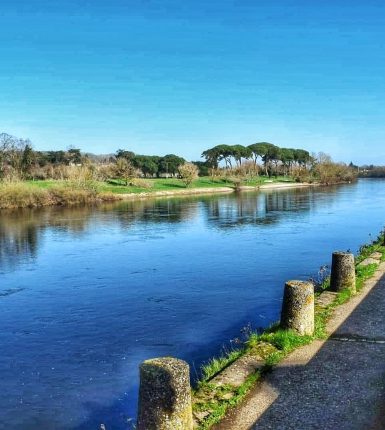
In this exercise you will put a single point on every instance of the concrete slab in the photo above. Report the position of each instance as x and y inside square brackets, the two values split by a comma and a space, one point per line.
[237, 373]
[368, 261]
[376, 255]
[325, 299]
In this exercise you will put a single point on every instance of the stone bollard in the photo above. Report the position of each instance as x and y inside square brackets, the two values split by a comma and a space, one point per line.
[298, 307]
[343, 273]
[165, 395]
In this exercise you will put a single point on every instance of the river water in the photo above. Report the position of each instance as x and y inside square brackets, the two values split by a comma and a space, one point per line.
[86, 294]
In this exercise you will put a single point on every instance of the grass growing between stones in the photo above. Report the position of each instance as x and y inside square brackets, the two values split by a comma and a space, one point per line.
[219, 399]
[211, 402]
[215, 365]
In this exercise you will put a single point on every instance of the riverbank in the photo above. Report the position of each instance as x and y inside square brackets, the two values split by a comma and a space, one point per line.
[229, 397]
[345, 371]
[66, 193]
[215, 190]
[23, 195]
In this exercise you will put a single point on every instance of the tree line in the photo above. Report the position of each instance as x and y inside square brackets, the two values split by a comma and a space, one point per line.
[18, 160]
[152, 165]
[371, 171]
[268, 154]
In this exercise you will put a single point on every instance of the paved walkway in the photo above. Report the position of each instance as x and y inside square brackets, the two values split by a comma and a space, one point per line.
[335, 384]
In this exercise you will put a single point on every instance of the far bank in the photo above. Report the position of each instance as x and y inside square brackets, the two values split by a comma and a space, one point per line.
[67, 193]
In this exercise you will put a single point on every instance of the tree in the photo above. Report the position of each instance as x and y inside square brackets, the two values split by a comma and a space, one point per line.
[148, 164]
[203, 167]
[212, 156]
[124, 170]
[302, 157]
[238, 152]
[122, 153]
[226, 152]
[272, 153]
[329, 172]
[170, 163]
[266, 151]
[56, 157]
[258, 150]
[28, 160]
[188, 172]
[11, 154]
[287, 158]
[74, 156]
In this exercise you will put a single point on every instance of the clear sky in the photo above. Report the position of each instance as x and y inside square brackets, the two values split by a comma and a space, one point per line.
[180, 76]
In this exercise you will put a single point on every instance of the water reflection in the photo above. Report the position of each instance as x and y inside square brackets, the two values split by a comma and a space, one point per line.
[265, 208]
[22, 232]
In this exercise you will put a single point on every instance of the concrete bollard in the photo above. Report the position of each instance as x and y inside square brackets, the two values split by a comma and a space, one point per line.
[343, 273]
[165, 395]
[298, 307]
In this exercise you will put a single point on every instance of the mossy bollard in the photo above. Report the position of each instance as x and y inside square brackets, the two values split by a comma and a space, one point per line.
[165, 395]
[343, 273]
[298, 307]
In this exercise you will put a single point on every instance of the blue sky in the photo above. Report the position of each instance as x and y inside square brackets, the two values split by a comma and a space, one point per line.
[161, 77]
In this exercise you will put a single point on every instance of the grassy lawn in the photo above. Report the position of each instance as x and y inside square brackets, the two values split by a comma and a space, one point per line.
[163, 184]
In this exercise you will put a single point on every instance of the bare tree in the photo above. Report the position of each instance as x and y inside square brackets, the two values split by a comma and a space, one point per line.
[11, 154]
[188, 173]
[125, 170]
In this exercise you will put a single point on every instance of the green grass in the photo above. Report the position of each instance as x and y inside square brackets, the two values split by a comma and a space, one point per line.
[220, 406]
[216, 364]
[49, 183]
[273, 345]
[368, 249]
[163, 184]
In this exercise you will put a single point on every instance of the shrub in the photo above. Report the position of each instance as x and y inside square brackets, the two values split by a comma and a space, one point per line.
[19, 194]
[248, 169]
[123, 169]
[141, 183]
[188, 173]
[329, 172]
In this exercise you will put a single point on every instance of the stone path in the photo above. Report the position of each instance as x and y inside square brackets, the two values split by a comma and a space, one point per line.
[336, 384]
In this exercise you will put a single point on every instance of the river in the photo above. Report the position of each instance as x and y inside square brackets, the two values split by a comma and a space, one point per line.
[87, 293]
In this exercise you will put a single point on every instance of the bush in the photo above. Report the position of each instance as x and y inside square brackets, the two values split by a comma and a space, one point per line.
[123, 169]
[19, 194]
[329, 172]
[141, 183]
[188, 173]
[301, 174]
[247, 170]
